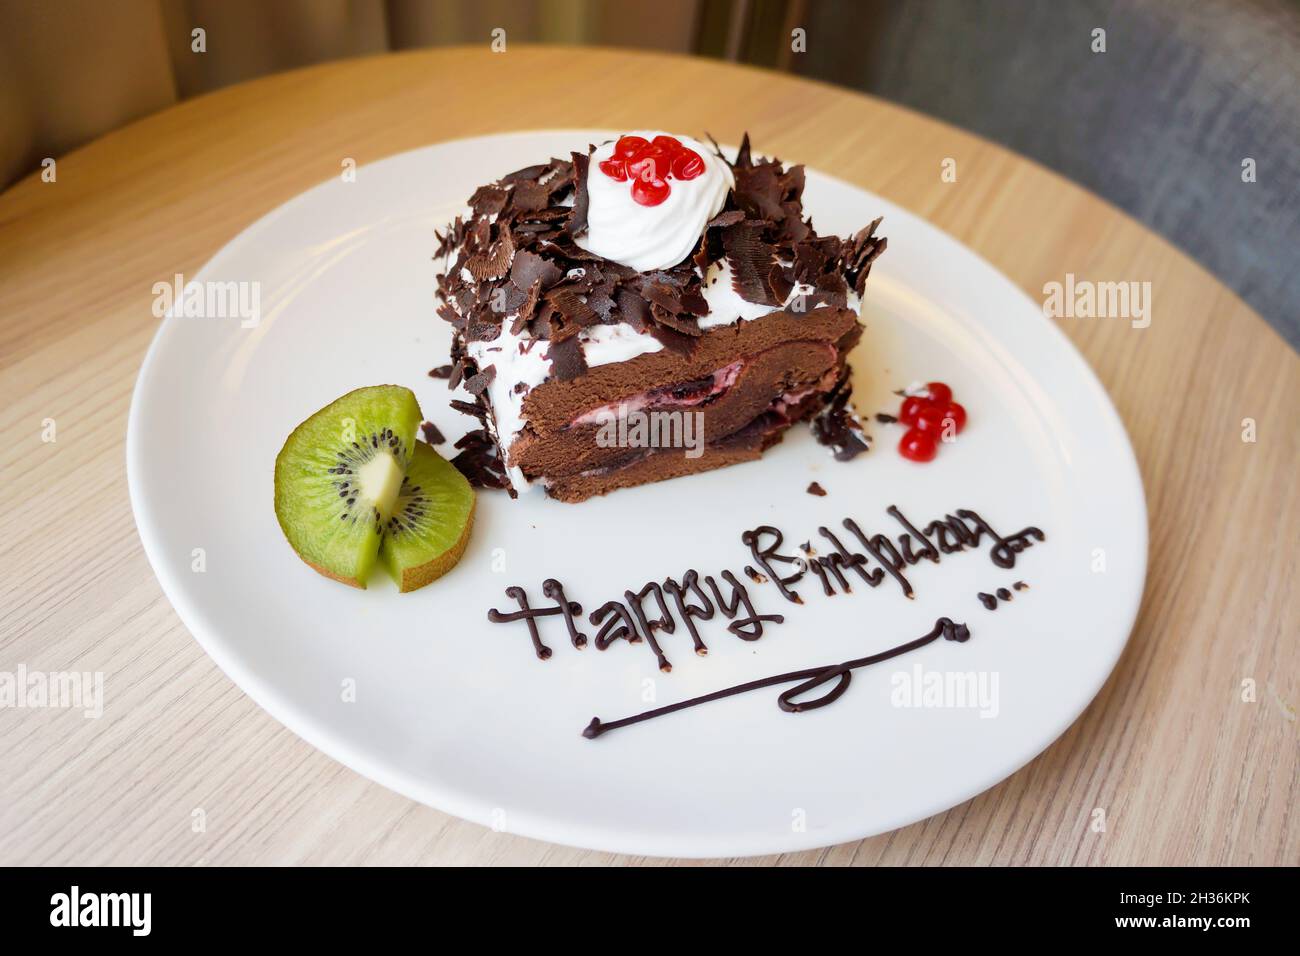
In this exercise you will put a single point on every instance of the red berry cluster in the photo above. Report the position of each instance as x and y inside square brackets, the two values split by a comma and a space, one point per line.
[649, 164]
[927, 416]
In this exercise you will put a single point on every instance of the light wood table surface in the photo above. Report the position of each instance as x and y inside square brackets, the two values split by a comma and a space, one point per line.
[1186, 770]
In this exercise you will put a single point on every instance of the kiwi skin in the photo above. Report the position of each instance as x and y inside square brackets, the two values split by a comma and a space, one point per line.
[415, 578]
[351, 582]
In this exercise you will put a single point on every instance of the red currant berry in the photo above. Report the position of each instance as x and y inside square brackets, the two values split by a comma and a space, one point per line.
[917, 445]
[940, 393]
[958, 415]
[614, 169]
[629, 147]
[687, 164]
[670, 143]
[929, 418]
[911, 406]
[650, 192]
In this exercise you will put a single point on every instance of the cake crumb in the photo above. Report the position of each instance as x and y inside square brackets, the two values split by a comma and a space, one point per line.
[816, 489]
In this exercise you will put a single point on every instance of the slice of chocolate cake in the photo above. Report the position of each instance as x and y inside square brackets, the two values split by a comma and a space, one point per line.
[643, 310]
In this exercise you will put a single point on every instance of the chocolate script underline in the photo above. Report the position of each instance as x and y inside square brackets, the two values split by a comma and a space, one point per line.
[811, 678]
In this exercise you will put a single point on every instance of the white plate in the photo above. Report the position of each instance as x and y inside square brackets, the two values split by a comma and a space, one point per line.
[458, 713]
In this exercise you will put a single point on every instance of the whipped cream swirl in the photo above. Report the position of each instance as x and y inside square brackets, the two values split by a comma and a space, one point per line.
[646, 238]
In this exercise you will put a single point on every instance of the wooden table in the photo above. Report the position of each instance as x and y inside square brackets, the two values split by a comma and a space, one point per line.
[1185, 769]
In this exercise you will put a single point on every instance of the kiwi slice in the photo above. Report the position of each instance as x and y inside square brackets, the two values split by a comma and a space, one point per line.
[338, 476]
[429, 528]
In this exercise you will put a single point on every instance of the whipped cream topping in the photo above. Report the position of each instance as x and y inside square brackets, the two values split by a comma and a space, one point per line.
[726, 305]
[646, 238]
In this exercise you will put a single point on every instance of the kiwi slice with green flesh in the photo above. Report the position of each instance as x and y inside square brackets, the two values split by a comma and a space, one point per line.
[338, 476]
[430, 526]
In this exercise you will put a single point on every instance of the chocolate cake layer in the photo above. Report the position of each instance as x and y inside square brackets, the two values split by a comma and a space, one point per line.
[553, 405]
[646, 467]
[770, 364]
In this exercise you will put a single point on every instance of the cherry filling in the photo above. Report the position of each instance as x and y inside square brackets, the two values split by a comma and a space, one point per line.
[649, 164]
[696, 393]
[680, 395]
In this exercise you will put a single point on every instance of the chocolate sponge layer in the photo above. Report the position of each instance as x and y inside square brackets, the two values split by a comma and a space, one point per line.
[787, 363]
[554, 404]
[746, 445]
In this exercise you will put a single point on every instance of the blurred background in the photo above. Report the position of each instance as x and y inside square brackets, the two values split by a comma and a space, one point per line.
[1162, 124]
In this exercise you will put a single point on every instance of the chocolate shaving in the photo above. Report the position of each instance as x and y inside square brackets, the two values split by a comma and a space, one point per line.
[577, 223]
[695, 303]
[528, 172]
[567, 361]
[450, 240]
[470, 408]
[751, 261]
[431, 434]
[685, 324]
[836, 428]
[743, 160]
[664, 295]
[779, 284]
[570, 314]
[860, 251]
[829, 289]
[483, 326]
[794, 227]
[633, 309]
[450, 315]
[494, 264]
[758, 192]
[529, 267]
[810, 260]
[602, 303]
[442, 371]
[506, 298]
[476, 385]
[673, 340]
[480, 461]
[488, 200]
[728, 217]
[816, 489]
[528, 309]
[529, 197]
